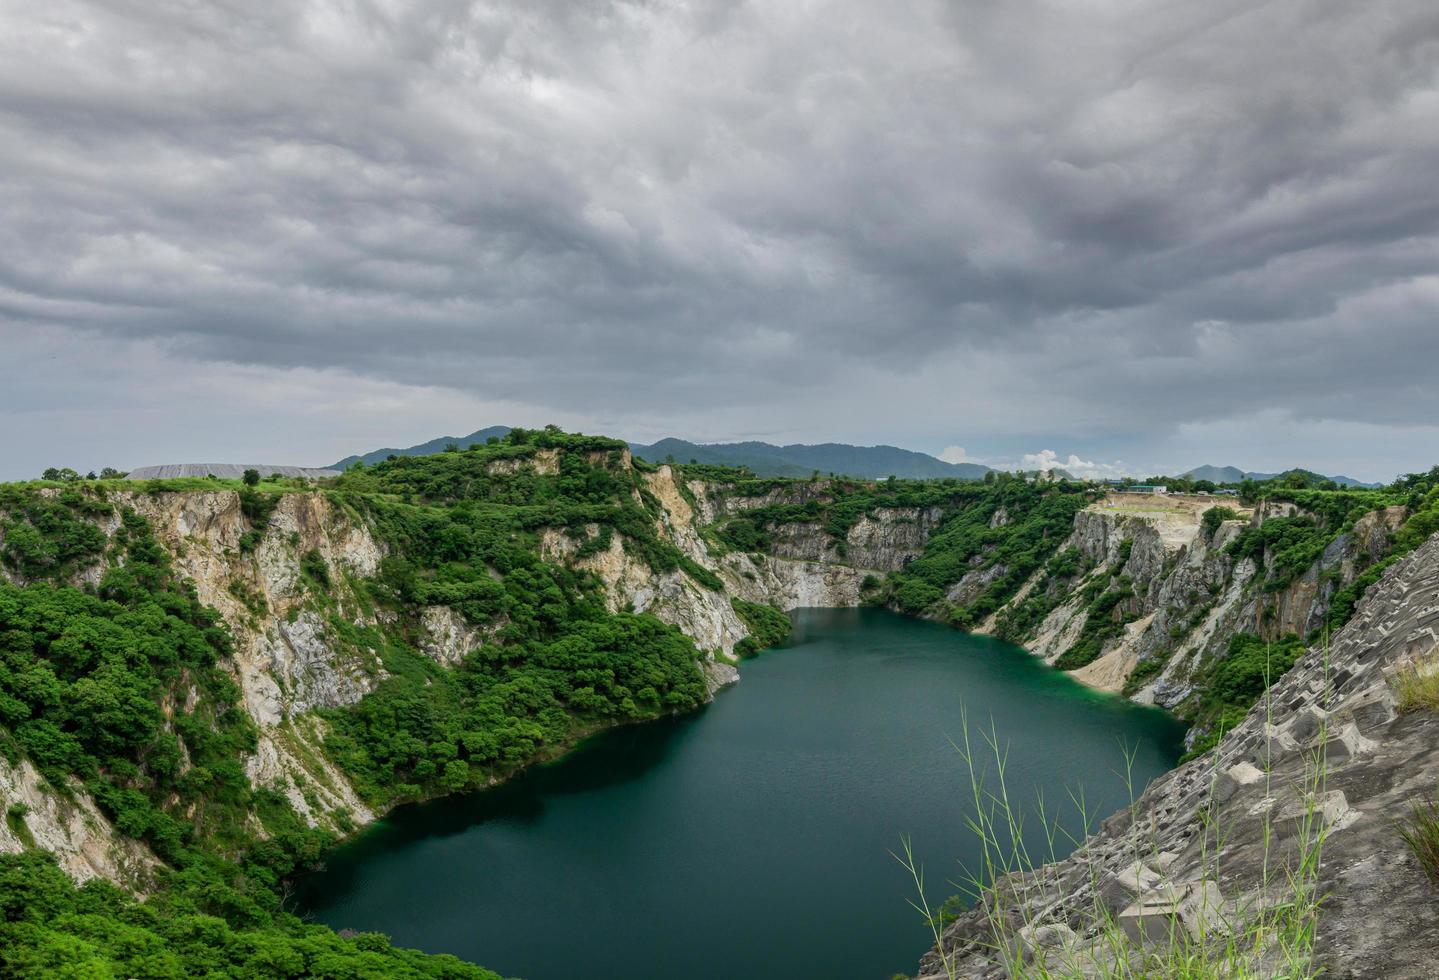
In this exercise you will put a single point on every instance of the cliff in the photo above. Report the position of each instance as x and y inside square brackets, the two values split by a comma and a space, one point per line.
[1222, 856]
[1158, 596]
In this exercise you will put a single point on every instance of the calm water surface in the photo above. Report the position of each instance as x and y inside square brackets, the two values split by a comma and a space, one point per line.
[751, 839]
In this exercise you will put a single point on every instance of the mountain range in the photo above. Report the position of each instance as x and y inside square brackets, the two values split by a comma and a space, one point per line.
[761, 458]
[800, 459]
[1233, 474]
[766, 459]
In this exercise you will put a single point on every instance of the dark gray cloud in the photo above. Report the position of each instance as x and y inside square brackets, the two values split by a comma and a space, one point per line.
[1098, 226]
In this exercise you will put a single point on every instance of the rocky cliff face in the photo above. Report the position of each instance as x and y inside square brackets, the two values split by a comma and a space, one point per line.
[70, 826]
[287, 658]
[884, 541]
[1189, 595]
[285, 661]
[806, 566]
[1196, 845]
[673, 597]
[1175, 572]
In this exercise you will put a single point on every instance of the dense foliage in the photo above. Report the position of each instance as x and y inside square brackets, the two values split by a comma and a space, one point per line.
[115, 688]
[49, 927]
[45, 536]
[1008, 528]
[767, 626]
[427, 731]
[1233, 682]
[83, 677]
[1285, 547]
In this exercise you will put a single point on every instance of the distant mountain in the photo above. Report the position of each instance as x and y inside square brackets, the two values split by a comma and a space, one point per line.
[1233, 474]
[766, 459]
[763, 458]
[424, 448]
[1216, 474]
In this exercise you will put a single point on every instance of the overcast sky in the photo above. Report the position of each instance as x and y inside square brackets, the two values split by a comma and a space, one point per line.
[1129, 234]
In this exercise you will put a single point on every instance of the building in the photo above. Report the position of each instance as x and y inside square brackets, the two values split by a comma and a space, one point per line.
[1145, 488]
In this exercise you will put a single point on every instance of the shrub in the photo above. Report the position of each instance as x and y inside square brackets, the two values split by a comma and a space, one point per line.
[1249, 667]
[313, 567]
[767, 626]
[1215, 516]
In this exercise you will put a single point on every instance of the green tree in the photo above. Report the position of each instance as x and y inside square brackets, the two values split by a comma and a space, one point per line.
[251, 478]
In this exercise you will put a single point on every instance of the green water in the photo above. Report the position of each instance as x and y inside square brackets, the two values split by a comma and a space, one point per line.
[751, 839]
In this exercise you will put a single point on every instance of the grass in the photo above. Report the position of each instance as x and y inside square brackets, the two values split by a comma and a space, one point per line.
[1268, 931]
[1417, 688]
[1421, 832]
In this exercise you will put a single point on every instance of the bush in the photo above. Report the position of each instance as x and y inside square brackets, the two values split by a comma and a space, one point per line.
[201, 926]
[313, 567]
[1249, 667]
[1215, 516]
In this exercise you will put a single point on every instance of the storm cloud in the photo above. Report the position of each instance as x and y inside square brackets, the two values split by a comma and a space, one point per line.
[1148, 233]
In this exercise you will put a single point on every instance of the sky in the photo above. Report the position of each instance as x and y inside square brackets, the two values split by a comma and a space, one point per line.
[1122, 235]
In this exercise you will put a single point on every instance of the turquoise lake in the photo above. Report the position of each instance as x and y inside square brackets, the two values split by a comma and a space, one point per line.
[751, 839]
